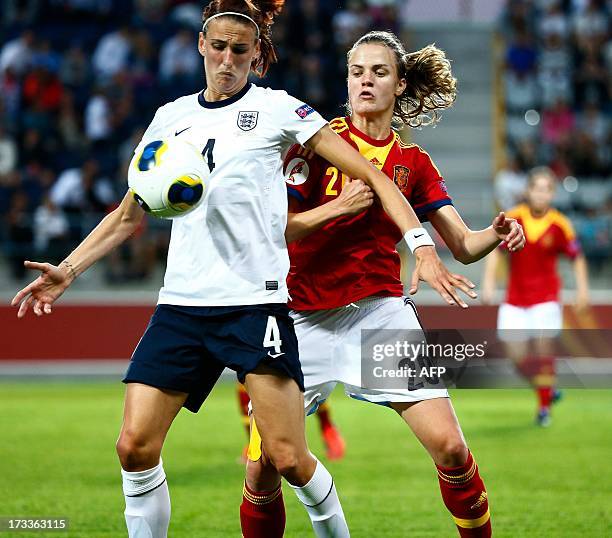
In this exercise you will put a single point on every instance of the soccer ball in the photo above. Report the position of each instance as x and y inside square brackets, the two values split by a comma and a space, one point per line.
[167, 177]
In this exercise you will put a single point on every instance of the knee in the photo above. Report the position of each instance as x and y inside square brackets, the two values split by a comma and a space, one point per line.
[286, 459]
[137, 453]
[451, 452]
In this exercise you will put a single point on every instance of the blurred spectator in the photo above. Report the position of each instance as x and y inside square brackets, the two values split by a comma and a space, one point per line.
[18, 223]
[112, 53]
[509, 184]
[10, 97]
[17, 54]
[584, 158]
[555, 67]
[350, 23]
[558, 123]
[595, 123]
[68, 124]
[553, 21]
[591, 78]
[50, 230]
[41, 85]
[8, 152]
[81, 189]
[180, 64]
[97, 118]
[590, 25]
[521, 55]
[75, 70]
[19, 12]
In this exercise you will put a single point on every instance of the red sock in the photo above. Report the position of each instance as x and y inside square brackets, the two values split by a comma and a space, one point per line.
[465, 496]
[545, 396]
[544, 381]
[262, 514]
[323, 416]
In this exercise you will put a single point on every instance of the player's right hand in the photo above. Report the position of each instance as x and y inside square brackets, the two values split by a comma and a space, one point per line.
[42, 292]
[354, 198]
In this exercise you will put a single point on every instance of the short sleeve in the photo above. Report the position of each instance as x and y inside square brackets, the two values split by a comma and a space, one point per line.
[430, 192]
[570, 246]
[302, 171]
[298, 121]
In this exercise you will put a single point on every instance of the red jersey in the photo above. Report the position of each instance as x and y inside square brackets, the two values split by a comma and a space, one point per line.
[355, 257]
[533, 270]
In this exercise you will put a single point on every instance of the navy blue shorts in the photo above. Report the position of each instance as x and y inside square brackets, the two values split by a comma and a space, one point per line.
[185, 348]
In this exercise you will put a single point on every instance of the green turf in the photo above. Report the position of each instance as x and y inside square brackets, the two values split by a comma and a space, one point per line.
[57, 459]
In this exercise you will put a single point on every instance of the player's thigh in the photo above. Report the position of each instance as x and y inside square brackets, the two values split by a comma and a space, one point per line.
[148, 412]
[436, 426]
[278, 408]
[315, 332]
[389, 320]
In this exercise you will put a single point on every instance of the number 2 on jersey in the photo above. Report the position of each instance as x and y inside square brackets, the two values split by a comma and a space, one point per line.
[272, 337]
[331, 186]
[208, 153]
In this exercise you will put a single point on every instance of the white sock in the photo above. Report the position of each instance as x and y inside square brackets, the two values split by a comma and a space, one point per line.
[147, 503]
[321, 500]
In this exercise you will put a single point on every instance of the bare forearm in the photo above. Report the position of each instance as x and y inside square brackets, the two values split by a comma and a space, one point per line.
[300, 225]
[477, 244]
[581, 273]
[112, 230]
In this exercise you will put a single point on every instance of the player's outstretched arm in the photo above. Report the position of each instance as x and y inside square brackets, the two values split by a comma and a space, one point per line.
[115, 228]
[354, 198]
[581, 274]
[468, 245]
[429, 267]
[489, 277]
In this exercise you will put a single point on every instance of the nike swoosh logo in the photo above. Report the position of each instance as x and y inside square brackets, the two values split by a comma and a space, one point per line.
[274, 355]
[417, 236]
[181, 131]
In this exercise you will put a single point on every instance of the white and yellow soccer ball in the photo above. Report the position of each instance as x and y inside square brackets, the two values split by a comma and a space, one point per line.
[168, 178]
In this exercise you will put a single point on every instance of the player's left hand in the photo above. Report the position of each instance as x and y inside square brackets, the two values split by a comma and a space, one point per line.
[509, 231]
[429, 268]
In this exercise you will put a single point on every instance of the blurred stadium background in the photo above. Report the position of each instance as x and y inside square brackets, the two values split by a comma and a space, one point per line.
[81, 79]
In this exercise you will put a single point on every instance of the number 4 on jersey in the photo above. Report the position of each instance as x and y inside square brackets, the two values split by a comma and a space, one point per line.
[272, 338]
[207, 152]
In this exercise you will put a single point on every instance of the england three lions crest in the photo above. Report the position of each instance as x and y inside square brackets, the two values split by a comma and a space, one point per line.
[400, 176]
[247, 120]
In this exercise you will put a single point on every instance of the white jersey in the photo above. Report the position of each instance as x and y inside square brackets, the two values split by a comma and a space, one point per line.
[231, 250]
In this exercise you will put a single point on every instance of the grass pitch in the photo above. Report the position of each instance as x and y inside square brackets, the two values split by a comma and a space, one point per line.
[57, 459]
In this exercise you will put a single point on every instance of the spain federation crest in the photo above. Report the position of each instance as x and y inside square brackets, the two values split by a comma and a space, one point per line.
[400, 176]
[247, 120]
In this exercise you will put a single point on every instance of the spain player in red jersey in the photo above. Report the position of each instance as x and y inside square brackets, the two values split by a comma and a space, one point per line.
[531, 315]
[345, 272]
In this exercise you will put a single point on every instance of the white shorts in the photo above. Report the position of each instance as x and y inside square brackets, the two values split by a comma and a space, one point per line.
[330, 349]
[516, 323]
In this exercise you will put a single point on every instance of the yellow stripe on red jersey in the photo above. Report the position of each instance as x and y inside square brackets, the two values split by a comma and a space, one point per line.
[354, 257]
[533, 276]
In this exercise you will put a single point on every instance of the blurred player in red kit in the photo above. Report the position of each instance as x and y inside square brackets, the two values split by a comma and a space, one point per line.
[345, 272]
[531, 315]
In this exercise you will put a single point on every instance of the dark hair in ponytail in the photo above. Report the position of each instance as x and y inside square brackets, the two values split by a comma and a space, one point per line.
[430, 84]
[263, 13]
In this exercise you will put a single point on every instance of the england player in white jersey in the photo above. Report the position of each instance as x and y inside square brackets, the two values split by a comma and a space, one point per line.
[223, 300]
